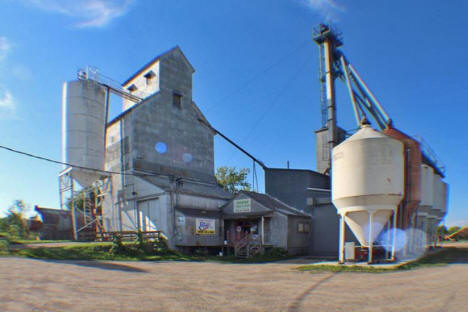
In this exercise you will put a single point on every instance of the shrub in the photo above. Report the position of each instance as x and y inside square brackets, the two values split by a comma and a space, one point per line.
[117, 245]
[4, 245]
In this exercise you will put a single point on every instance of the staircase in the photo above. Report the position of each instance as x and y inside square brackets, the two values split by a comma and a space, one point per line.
[248, 246]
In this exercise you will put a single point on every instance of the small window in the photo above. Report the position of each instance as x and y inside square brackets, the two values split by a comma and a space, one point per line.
[132, 88]
[177, 100]
[303, 227]
[149, 77]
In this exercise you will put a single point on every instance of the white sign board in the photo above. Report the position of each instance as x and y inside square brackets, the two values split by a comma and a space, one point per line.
[205, 226]
[242, 205]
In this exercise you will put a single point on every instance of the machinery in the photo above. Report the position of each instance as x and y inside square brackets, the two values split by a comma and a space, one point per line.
[379, 177]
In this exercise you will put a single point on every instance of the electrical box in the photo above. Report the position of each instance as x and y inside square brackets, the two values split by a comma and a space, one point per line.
[349, 251]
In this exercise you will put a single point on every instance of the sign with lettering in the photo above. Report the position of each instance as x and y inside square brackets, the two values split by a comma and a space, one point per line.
[242, 205]
[205, 226]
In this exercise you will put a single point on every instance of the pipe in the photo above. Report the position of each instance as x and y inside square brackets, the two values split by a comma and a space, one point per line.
[330, 83]
[369, 93]
[234, 144]
[370, 240]
[342, 238]
[350, 89]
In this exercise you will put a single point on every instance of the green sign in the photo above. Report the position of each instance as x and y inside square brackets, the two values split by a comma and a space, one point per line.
[242, 205]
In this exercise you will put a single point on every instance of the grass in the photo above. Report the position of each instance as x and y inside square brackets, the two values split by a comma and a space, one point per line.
[102, 251]
[442, 257]
[34, 241]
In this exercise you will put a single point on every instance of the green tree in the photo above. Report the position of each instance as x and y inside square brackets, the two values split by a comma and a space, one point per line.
[453, 229]
[14, 223]
[442, 230]
[233, 179]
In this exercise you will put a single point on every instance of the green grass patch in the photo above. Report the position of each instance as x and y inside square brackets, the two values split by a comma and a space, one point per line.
[34, 241]
[129, 252]
[442, 257]
[343, 268]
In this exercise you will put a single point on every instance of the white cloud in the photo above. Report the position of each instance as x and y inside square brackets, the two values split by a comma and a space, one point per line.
[7, 103]
[22, 72]
[5, 47]
[328, 9]
[88, 13]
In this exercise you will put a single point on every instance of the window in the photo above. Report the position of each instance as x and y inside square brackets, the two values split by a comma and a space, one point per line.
[149, 77]
[177, 100]
[132, 88]
[303, 227]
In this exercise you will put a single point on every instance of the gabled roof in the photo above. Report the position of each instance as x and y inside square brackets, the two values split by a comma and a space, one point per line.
[154, 60]
[273, 203]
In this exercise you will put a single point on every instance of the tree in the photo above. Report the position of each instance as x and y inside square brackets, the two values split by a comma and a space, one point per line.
[453, 229]
[442, 230]
[14, 223]
[233, 179]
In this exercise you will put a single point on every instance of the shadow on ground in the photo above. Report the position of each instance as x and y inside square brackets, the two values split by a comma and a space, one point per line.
[448, 255]
[295, 305]
[99, 265]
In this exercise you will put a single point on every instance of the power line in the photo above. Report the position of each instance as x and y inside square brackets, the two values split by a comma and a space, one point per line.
[68, 164]
[261, 72]
[145, 173]
[275, 99]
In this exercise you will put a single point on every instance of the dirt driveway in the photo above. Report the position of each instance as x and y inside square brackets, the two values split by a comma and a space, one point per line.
[37, 285]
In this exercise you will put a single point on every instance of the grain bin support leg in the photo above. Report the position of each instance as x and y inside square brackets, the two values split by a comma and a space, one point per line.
[370, 241]
[394, 234]
[342, 238]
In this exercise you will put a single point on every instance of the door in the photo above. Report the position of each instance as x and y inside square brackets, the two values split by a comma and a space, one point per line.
[148, 215]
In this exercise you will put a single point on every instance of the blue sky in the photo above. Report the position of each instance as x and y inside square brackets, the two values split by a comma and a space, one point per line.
[255, 80]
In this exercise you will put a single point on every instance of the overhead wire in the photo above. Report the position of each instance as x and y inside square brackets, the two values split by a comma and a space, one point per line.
[145, 173]
[274, 101]
[259, 73]
[67, 164]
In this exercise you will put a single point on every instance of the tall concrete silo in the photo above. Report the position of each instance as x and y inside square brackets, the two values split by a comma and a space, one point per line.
[83, 129]
[367, 183]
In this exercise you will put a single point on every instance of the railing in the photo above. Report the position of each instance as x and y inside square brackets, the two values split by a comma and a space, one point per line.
[129, 235]
[245, 244]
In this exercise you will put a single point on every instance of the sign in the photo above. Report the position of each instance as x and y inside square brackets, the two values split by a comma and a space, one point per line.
[242, 205]
[181, 220]
[205, 226]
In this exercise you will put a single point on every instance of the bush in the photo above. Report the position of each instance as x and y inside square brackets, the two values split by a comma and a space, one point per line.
[117, 245]
[4, 245]
[276, 252]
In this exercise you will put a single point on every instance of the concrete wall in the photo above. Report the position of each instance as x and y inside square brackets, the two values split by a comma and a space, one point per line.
[144, 86]
[185, 145]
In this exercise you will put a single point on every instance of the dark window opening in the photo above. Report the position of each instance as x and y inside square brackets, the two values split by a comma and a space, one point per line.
[132, 88]
[149, 77]
[177, 100]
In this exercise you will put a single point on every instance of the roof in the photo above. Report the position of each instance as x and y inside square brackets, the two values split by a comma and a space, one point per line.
[274, 204]
[298, 170]
[191, 187]
[154, 60]
[43, 210]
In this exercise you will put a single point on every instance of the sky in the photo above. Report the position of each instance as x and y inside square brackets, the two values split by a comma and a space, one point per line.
[256, 75]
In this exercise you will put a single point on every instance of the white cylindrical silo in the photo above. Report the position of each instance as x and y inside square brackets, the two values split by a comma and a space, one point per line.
[437, 192]
[427, 186]
[84, 115]
[367, 181]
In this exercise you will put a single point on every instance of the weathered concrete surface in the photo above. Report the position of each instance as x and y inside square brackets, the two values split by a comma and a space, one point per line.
[35, 285]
